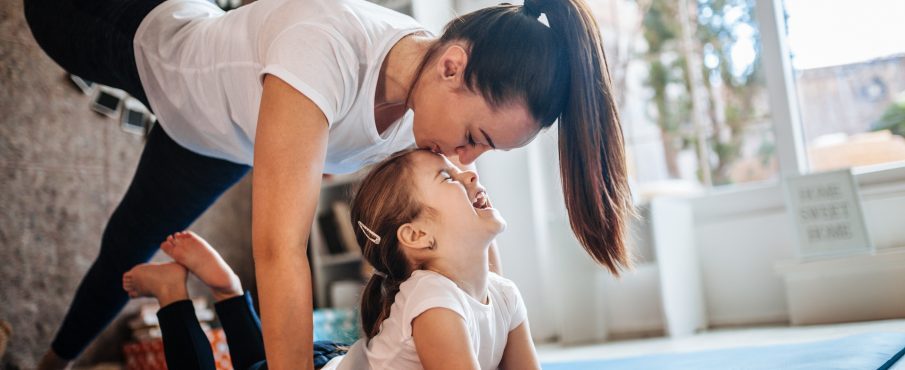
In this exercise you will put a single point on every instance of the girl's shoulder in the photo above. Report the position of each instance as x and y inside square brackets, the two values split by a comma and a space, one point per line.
[508, 298]
[429, 283]
[503, 286]
[424, 290]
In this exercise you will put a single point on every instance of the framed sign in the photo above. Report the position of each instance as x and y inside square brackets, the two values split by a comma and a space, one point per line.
[826, 211]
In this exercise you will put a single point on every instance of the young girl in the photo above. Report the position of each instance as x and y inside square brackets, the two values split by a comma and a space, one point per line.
[426, 227]
[432, 303]
[299, 88]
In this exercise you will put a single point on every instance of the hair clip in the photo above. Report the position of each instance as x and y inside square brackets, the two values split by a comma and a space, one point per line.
[372, 236]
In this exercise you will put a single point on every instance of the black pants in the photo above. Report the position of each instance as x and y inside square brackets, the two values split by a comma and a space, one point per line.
[186, 346]
[172, 186]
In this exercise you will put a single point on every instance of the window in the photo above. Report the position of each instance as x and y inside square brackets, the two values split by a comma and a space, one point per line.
[691, 92]
[848, 60]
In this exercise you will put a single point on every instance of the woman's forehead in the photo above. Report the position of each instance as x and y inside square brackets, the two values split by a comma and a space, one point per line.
[509, 127]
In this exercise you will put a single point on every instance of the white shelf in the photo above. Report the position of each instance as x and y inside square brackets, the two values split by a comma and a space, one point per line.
[327, 268]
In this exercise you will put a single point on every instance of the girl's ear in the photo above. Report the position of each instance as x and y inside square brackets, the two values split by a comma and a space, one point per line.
[451, 64]
[412, 235]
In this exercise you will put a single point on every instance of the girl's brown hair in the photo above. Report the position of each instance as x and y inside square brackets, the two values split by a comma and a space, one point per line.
[384, 201]
[559, 71]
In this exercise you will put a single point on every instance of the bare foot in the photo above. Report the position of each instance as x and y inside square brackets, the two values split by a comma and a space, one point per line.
[201, 259]
[164, 281]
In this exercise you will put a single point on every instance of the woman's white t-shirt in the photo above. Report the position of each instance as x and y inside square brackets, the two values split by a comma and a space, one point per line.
[488, 324]
[202, 70]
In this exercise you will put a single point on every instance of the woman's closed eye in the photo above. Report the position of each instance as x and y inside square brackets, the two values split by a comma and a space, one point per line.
[470, 139]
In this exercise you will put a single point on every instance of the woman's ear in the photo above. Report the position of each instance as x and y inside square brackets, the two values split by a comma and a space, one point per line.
[413, 236]
[451, 64]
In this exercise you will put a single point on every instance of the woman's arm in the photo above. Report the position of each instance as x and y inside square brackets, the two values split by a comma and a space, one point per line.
[290, 147]
[519, 353]
[442, 341]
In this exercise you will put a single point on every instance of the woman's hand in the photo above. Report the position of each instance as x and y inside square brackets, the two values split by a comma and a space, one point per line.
[290, 149]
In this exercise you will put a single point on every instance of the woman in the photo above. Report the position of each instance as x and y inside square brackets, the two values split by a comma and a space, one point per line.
[300, 88]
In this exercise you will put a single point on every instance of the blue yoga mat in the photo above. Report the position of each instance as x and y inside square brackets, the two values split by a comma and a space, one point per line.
[864, 351]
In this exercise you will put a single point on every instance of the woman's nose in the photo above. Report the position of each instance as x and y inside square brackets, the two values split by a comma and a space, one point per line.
[467, 155]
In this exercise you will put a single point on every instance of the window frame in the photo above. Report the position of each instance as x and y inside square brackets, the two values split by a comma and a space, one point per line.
[791, 145]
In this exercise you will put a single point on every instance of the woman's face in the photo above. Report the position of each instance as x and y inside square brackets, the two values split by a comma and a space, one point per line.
[452, 120]
[462, 213]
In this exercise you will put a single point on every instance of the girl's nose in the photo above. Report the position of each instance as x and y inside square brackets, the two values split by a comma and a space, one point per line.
[469, 177]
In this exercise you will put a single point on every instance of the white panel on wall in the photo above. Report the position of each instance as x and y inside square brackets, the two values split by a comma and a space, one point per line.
[632, 303]
[672, 222]
[737, 257]
[881, 213]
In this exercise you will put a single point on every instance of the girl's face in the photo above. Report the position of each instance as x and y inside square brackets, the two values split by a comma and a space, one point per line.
[452, 120]
[462, 213]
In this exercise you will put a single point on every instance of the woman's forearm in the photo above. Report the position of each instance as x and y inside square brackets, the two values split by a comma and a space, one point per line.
[290, 149]
[284, 291]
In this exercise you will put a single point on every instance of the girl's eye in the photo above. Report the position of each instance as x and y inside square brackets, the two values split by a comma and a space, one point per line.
[446, 176]
[470, 139]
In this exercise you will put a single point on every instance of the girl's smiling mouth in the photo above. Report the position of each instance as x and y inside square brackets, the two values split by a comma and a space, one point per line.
[481, 200]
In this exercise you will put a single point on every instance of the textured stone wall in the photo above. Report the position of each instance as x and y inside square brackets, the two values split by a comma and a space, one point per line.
[63, 169]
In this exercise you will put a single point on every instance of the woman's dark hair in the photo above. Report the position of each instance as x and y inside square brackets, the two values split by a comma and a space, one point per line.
[384, 201]
[559, 72]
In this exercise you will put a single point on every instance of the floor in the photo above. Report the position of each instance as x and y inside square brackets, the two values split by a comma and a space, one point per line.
[715, 339]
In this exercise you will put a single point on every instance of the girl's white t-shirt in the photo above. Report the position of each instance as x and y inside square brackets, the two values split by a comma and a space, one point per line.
[203, 69]
[488, 324]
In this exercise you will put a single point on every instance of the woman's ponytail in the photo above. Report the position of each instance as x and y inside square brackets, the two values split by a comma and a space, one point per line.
[558, 70]
[591, 146]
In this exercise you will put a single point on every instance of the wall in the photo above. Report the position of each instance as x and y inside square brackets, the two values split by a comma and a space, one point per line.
[739, 234]
[62, 170]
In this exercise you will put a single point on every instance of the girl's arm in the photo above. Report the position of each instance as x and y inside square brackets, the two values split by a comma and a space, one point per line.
[519, 353]
[442, 341]
[289, 154]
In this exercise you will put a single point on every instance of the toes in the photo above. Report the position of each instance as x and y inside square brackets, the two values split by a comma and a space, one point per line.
[167, 247]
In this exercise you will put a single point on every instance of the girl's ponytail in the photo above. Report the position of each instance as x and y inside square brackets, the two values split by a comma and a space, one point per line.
[591, 147]
[384, 201]
[376, 299]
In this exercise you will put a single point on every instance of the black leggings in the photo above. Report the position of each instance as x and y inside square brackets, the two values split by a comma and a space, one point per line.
[172, 186]
[186, 346]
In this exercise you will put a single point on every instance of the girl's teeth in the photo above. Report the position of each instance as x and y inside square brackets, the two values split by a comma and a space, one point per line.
[480, 201]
